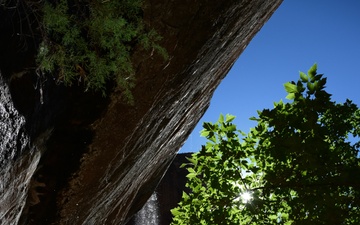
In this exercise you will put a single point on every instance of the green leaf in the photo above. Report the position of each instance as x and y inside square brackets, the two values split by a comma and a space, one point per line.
[311, 87]
[230, 118]
[221, 118]
[175, 212]
[304, 77]
[290, 96]
[290, 88]
[280, 103]
[192, 160]
[208, 126]
[204, 133]
[312, 72]
[318, 77]
[272, 217]
[322, 82]
[191, 170]
[254, 118]
[231, 128]
[191, 175]
[185, 195]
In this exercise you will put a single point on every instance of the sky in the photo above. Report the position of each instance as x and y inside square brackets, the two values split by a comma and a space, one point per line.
[299, 34]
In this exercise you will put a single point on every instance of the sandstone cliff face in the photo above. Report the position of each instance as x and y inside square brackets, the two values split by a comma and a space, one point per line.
[133, 146]
[115, 153]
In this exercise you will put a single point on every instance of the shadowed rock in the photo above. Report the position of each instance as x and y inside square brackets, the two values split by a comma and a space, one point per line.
[118, 153]
[133, 146]
[168, 194]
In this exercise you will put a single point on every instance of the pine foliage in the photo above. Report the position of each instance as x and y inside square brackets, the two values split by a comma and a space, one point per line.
[91, 42]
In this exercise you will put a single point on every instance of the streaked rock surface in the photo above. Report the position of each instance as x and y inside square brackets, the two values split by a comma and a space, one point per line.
[105, 158]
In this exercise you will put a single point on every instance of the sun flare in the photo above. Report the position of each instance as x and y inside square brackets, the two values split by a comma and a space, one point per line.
[246, 197]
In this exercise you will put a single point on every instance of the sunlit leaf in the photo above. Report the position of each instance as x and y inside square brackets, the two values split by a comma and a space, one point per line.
[175, 212]
[254, 118]
[185, 195]
[304, 77]
[192, 160]
[231, 128]
[290, 96]
[204, 133]
[191, 175]
[229, 118]
[312, 72]
[221, 118]
[290, 88]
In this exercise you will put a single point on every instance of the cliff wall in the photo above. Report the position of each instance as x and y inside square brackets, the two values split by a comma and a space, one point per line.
[104, 158]
[133, 146]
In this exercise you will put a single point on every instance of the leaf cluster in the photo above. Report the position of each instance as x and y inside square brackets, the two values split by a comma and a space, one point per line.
[312, 82]
[300, 163]
[308, 159]
[216, 177]
[91, 42]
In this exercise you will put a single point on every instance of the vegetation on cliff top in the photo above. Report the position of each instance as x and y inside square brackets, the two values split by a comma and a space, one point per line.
[91, 42]
[299, 165]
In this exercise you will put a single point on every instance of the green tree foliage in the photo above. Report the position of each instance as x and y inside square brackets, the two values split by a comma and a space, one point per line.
[91, 41]
[300, 164]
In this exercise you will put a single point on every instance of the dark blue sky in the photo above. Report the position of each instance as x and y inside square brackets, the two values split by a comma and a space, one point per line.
[299, 34]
